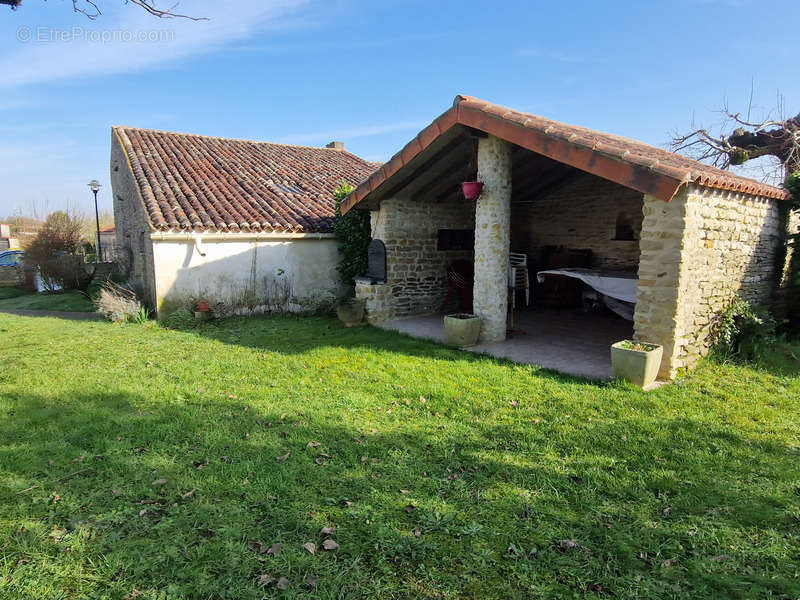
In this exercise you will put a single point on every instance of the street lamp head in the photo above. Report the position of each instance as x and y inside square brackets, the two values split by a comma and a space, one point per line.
[94, 185]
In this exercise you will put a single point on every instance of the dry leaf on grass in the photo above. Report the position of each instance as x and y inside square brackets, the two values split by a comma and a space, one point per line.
[409, 508]
[311, 547]
[311, 582]
[274, 549]
[283, 584]
[283, 457]
[160, 481]
[330, 545]
[567, 544]
[313, 444]
[669, 562]
[327, 531]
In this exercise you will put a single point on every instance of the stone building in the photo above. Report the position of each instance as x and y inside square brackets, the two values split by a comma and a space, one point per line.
[691, 236]
[243, 225]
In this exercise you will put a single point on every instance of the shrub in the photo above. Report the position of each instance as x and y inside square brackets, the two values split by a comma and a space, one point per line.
[744, 331]
[120, 304]
[353, 235]
[53, 253]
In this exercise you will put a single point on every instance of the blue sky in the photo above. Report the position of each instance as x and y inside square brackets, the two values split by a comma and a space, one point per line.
[369, 73]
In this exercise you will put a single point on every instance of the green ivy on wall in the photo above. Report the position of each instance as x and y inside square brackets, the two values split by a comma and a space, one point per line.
[353, 235]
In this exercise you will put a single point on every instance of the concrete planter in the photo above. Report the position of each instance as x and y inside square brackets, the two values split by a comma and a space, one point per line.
[636, 362]
[351, 312]
[462, 329]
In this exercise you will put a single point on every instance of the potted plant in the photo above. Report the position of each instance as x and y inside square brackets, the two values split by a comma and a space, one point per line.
[472, 189]
[636, 362]
[351, 311]
[202, 310]
[462, 329]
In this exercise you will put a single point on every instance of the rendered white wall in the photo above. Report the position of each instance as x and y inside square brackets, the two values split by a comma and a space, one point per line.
[246, 275]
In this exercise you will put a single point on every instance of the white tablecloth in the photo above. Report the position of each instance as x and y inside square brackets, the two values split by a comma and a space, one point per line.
[618, 285]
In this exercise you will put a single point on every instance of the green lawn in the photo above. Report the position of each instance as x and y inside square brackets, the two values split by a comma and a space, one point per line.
[72, 301]
[139, 462]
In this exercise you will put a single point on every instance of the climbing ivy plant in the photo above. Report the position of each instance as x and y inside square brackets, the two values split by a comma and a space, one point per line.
[353, 234]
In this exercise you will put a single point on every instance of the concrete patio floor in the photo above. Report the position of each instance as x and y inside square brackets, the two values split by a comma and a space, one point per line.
[569, 341]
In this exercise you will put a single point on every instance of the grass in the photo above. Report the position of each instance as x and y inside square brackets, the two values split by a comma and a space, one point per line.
[140, 462]
[72, 301]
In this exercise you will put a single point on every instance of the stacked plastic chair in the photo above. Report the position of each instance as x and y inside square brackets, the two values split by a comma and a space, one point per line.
[518, 274]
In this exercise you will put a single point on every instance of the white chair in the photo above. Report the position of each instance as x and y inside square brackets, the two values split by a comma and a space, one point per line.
[518, 274]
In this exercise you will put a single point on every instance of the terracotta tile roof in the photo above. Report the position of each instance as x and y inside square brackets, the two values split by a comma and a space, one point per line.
[628, 162]
[201, 183]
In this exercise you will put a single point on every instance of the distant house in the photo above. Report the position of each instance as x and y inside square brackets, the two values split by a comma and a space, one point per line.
[243, 225]
[108, 242]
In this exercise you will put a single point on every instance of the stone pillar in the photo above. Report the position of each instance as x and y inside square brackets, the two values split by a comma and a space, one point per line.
[492, 237]
[658, 294]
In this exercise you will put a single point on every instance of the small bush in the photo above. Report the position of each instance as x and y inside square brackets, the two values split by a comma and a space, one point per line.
[744, 331]
[179, 319]
[55, 251]
[120, 304]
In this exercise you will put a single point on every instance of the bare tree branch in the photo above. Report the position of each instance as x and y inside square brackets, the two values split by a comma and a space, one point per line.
[742, 139]
[149, 7]
[91, 10]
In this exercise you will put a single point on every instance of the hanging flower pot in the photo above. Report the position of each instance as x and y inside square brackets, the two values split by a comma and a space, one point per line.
[472, 189]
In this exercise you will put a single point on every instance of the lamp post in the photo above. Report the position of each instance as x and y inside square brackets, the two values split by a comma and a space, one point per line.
[95, 186]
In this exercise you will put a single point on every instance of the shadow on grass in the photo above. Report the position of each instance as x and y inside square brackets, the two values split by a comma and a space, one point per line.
[178, 497]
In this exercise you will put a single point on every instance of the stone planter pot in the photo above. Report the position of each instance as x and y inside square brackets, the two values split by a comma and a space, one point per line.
[351, 312]
[636, 362]
[462, 329]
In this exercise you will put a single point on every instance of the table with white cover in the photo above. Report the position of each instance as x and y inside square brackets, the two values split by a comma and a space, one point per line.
[617, 289]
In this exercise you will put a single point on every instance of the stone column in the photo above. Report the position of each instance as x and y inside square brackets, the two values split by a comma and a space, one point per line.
[492, 237]
[658, 295]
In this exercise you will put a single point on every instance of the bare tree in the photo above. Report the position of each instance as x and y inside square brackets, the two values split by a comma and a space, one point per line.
[91, 8]
[742, 139]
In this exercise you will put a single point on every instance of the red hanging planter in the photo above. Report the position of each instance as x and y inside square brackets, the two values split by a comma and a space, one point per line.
[472, 189]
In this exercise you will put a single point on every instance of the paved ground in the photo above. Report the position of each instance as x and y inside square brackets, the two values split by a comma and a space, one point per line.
[88, 316]
[568, 341]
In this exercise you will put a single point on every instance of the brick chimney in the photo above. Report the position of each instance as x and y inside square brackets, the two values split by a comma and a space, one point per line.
[335, 145]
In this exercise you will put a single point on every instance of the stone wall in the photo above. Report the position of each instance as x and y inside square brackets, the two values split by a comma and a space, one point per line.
[581, 215]
[699, 252]
[11, 277]
[132, 226]
[730, 249]
[416, 272]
